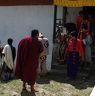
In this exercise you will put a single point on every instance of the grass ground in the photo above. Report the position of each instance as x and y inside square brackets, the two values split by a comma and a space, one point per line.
[50, 86]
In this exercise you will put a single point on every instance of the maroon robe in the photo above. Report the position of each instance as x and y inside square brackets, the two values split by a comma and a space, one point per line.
[27, 59]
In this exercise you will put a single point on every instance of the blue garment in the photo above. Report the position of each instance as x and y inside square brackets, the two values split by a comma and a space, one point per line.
[72, 61]
[6, 72]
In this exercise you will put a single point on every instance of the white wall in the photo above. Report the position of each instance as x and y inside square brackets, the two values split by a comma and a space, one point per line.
[72, 12]
[17, 21]
[60, 12]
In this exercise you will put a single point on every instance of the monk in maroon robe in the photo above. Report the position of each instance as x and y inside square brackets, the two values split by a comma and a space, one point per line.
[29, 49]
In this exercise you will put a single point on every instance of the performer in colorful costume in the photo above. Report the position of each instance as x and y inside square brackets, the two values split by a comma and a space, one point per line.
[85, 37]
[43, 56]
[74, 53]
[62, 45]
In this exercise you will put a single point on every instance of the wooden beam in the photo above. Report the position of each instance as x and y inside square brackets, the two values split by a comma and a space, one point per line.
[25, 2]
[55, 17]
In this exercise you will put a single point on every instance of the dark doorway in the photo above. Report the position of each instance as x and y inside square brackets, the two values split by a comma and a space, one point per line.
[90, 10]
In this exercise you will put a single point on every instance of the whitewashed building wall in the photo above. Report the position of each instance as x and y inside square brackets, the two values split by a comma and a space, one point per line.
[72, 12]
[59, 12]
[18, 21]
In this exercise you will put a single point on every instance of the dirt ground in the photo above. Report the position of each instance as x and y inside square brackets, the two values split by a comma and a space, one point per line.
[50, 85]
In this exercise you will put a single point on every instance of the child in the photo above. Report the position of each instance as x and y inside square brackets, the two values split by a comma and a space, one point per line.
[73, 53]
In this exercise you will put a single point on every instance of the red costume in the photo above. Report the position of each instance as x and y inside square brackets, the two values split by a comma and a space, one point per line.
[74, 51]
[78, 22]
[78, 48]
[84, 29]
[27, 59]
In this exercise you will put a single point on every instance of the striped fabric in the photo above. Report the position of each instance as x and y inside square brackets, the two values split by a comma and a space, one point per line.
[74, 3]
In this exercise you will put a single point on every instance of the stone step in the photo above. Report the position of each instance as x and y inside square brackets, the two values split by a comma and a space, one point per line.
[64, 66]
[93, 58]
[58, 66]
[55, 72]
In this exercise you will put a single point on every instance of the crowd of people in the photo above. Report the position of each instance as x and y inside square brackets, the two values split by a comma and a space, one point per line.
[76, 42]
[8, 54]
[31, 59]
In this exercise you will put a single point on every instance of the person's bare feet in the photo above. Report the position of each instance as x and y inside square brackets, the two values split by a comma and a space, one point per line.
[33, 90]
[24, 86]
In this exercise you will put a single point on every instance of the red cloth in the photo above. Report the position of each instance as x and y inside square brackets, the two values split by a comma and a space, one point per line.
[27, 59]
[87, 32]
[78, 47]
[78, 22]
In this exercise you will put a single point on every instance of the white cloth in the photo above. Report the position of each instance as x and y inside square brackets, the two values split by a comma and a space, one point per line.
[87, 40]
[8, 59]
[64, 31]
[42, 58]
[87, 44]
[45, 44]
[93, 92]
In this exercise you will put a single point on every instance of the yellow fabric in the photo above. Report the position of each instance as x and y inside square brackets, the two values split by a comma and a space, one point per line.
[74, 3]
